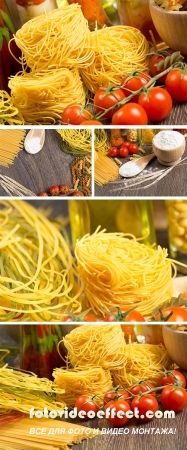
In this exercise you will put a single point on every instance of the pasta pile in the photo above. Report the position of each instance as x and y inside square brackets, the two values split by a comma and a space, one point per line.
[101, 141]
[9, 114]
[42, 96]
[36, 266]
[105, 169]
[96, 346]
[76, 141]
[143, 361]
[117, 270]
[118, 50]
[20, 391]
[18, 436]
[75, 382]
[11, 142]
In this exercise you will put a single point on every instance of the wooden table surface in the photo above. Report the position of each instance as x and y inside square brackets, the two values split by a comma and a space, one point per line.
[172, 185]
[51, 166]
[178, 115]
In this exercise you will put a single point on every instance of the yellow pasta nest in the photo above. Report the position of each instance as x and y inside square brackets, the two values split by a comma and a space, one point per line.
[79, 141]
[143, 362]
[101, 142]
[59, 38]
[42, 96]
[9, 114]
[118, 50]
[75, 382]
[96, 346]
[117, 270]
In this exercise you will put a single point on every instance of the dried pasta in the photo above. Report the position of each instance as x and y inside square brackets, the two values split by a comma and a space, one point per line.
[37, 277]
[101, 141]
[76, 141]
[9, 114]
[75, 382]
[56, 39]
[42, 96]
[105, 169]
[117, 270]
[143, 362]
[96, 346]
[118, 50]
[11, 142]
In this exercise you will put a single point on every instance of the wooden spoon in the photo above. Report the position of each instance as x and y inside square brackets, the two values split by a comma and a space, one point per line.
[36, 146]
[133, 168]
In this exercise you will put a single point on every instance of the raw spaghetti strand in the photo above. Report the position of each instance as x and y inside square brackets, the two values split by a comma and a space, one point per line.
[76, 141]
[117, 270]
[101, 142]
[11, 142]
[106, 169]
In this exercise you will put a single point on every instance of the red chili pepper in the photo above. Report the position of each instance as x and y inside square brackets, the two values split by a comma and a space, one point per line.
[25, 364]
[40, 331]
[44, 365]
[34, 367]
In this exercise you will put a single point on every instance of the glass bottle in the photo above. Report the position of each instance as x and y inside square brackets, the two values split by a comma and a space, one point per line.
[127, 216]
[28, 9]
[176, 211]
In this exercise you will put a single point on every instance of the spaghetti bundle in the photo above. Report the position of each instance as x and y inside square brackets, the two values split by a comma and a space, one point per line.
[59, 38]
[21, 391]
[9, 114]
[118, 50]
[36, 266]
[18, 435]
[76, 141]
[42, 96]
[117, 270]
[11, 142]
[96, 346]
[105, 169]
[75, 382]
[143, 361]
[101, 141]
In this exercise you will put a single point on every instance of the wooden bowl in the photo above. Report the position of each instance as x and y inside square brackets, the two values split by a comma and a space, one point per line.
[169, 156]
[171, 26]
[176, 345]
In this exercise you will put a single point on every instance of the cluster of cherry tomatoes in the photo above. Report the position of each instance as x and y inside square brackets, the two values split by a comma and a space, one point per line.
[142, 396]
[63, 189]
[137, 101]
[125, 150]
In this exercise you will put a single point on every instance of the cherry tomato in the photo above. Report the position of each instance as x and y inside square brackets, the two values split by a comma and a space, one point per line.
[144, 404]
[54, 190]
[157, 103]
[123, 151]
[113, 151]
[116, 393]
[125, 315]
[64, 189]
[119, 405]
[176, 84]
[107, 97]
[179, 314]
[126, 144]
[133, 148]
[154, 60]
[130, 114]
[134, 83]
[170, 377]
[143, 386]
[77, 194]
[80, 317]
[43, 194]
[91, 122]
[87, 404]
[75, 115]
[173, 398]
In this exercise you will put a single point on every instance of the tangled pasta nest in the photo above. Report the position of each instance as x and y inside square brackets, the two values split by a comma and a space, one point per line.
[76, 141]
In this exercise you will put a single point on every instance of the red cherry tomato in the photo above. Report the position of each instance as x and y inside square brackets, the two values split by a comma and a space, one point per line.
[77, 194]
[107, 97]
[133, 148]
[86, 404]
[155, 59]
[173, 398]
[130, 114]
[134, 83]
[54, 190]
[120, 406]
[176, 84]
[126, 144]
[125, 315]
[178, 314]
[116, 393]
[43, 194]
[157, 103]
[144, 404]
[64, 189]
[113, 151]
[171, 376]
[123, 151]
[144, 386]
[80, 317]
[91, 122]
[75, 115]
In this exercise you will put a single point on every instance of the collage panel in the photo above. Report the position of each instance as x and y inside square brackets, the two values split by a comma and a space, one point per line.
[93, 385]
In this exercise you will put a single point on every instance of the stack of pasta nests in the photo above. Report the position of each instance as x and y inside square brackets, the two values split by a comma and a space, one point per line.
[98, 357]
[59, 49]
